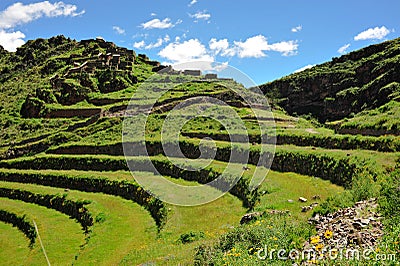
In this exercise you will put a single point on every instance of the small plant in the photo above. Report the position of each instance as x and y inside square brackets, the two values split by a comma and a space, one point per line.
[100, 218]
[191, 237]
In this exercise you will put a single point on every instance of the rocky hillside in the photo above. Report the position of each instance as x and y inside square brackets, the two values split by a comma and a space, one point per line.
[64, 78]
[361, 80]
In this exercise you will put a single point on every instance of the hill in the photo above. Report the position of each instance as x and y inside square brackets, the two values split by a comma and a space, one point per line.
[63, 173]
[356, 82]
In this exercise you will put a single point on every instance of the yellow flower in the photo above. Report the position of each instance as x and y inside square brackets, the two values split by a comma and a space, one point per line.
[319, 247]
[328, 234]
[313, 261]
[275, 238]
[334, 252]
[315, 239]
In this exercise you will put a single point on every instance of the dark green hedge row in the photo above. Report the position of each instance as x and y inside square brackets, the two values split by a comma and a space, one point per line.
[76, 210]
[21, 222]
[124, 189]
[163, 165]
[339, 169]
[37, 147]
[240, 189]
[343, 142]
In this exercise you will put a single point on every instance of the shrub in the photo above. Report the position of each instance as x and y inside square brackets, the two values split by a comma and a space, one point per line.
[389, 201]
[190, 237]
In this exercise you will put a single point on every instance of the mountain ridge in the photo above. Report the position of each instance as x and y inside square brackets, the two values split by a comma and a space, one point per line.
[361, 80]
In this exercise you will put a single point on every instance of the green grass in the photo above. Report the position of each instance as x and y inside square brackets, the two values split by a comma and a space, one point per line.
[280, 188]
[125, 225]
[14, 245]
[386, 117]
[128, 233]
[61, 243]
[124, 232]
[181, 218]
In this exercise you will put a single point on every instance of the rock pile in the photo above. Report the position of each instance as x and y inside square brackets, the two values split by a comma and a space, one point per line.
[355, 227]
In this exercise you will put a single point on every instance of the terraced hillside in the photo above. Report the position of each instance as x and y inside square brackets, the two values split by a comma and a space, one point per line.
[362, 80]
[63, 166]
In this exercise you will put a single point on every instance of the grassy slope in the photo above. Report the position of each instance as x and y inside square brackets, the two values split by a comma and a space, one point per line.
[61, 242]
[128, 234]
[14, 245]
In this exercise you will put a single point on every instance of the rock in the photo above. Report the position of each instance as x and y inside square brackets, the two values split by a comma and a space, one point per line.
[364, 221]
[248, 217]
[358, 225]
[351, 227]
[301, 199]
[316, 197]
[290, 201]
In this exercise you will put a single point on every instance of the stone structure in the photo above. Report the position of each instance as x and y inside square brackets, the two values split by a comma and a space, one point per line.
[190, 72]
[115, 58]
[211, 76]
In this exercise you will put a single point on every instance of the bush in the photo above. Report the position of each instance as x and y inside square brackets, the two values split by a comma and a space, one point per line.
[389, 201]
[190, 237]
[241, 245]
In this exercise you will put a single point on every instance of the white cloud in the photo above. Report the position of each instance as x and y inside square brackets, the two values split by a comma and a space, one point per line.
[343, 49]
[201, 15]
[167, 38]
[297, 29]
[285, 48]
[190, 50]
[154, 45]
[11, 40]
[372, 34]
[192, 2]
[218, 46]
[118, 30]
[160, 41]
[153, 14]
[255, 47]
[139, 45]
[221, 47]
[19, 13]
[252, 47]
[158, 24]
[303, 68]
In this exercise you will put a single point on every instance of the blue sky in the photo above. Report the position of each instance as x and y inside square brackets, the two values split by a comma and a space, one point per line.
[264, 39]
